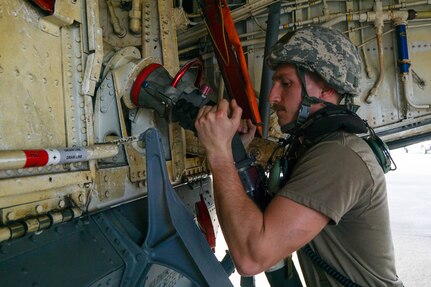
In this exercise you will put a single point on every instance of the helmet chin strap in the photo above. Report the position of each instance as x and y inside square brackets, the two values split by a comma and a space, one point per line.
[304, 110]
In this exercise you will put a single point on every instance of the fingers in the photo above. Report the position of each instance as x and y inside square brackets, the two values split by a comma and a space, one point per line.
[203, 111]
[223, 105]
[242, 128]
[236, 111]
[246, 126]
[248, 132]
[252, 127]
[221, 110]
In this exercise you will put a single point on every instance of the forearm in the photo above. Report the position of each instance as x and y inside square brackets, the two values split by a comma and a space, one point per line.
[240, 219]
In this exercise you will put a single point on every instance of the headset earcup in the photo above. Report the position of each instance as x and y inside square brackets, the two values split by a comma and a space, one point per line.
[378, 147]
[274, 177]
[284, 169]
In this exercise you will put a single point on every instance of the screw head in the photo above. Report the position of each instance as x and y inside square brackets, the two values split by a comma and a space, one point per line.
[39, 208]
[11, 215]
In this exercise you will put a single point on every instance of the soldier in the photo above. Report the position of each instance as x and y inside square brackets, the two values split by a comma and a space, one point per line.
[333, 200]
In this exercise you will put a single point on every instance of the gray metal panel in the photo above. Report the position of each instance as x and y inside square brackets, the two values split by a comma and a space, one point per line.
[72, 254]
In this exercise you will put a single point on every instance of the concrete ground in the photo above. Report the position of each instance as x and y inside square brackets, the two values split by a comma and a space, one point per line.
[409, 194]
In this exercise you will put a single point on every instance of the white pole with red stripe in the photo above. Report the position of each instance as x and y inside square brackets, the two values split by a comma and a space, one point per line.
[15, 159]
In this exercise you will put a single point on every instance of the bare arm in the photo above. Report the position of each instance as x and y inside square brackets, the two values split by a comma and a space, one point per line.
[256, 240]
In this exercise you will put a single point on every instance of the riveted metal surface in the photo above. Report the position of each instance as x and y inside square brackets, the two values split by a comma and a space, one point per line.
[30, 64]
[135, 159]
[46, 257]
[10, 173]
[42, 182]
[106, 121]
[111, 183]
[168, 36]
[125, 66]
[171, 64]
[65, 13]
[76, 125]
[420, 49]
[386, 109]
[151, 46]
[94, 60]
[131, 254]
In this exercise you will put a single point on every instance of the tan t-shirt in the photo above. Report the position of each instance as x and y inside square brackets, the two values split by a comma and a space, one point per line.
[340, 177]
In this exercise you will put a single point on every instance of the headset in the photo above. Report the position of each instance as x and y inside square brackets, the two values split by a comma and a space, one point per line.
[323, 122]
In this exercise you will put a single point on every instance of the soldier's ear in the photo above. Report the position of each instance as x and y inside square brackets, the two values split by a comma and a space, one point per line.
[328, 94]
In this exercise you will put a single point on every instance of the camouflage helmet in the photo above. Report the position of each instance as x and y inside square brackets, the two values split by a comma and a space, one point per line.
[324, 51]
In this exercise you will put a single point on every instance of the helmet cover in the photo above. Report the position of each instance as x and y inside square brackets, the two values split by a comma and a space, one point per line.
[324, 51]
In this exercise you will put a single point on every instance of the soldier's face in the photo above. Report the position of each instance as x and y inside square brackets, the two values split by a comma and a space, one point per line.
[285, 95]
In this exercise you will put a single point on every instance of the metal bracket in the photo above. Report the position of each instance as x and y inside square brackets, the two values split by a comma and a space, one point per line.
[173, 238]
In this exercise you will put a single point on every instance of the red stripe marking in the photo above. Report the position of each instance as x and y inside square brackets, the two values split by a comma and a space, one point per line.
[35, 157]
[143, 75]
[47, 5]
[205, 223]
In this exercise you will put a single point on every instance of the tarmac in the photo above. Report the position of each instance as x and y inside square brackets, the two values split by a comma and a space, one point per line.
[409, 195]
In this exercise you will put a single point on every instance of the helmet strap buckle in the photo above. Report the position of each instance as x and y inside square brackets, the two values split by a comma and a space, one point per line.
[303, 114]
[304, 110]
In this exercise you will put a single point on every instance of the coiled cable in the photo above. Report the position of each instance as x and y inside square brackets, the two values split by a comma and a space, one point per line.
[319, 261]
